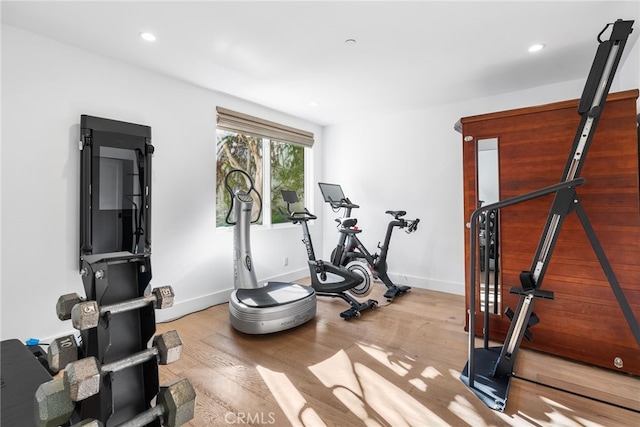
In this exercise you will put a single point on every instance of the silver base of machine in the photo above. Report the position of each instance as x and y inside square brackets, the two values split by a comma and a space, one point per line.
[275, 307]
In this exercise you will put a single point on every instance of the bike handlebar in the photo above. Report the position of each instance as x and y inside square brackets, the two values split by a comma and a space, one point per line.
[413, 225]
[298, 216]
[342, 203]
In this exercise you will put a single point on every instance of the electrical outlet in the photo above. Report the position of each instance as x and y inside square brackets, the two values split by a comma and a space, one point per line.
[285, 261]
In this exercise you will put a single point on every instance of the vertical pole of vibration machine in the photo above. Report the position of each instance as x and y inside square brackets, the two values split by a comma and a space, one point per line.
[244, 274]
[590, 108]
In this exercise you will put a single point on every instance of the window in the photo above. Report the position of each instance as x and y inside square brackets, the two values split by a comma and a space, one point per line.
[272, 154]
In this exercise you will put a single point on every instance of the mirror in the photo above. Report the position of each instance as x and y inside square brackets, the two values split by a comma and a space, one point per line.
[489, 192]
[115, 187]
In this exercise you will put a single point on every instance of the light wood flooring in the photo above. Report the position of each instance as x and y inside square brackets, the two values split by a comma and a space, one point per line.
[395, 366]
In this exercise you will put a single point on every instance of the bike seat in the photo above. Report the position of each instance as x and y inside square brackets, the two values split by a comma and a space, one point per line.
[347, 222]
[397, 214]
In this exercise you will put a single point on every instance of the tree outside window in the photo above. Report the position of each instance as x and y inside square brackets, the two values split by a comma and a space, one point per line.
[283, 170]
[287, 173]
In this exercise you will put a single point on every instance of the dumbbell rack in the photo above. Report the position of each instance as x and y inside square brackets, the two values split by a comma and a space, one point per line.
[109, 279]
[115, 258]
[111, 379]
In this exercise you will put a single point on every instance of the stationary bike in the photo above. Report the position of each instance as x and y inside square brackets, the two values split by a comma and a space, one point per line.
[259, 308]
[350, 248]
[327, 279]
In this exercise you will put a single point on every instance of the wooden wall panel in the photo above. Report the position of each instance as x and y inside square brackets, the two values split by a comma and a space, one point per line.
[584, 322]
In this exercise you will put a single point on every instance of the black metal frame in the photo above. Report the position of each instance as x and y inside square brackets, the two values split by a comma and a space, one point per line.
[110, 279]
[95, 133]
[334, 289]
[490, 247]
[348, 242]
[490, 380]
[115, 272]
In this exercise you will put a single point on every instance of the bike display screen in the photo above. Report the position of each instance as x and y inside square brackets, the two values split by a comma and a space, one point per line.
[331, 192]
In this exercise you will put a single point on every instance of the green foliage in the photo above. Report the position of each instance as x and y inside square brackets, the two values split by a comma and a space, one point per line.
[244, 152]
[287, 173]
[236, 151]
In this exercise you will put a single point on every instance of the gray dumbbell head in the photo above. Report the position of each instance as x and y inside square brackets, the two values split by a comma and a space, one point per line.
[65, 304]
[164, 297]
[52, 404]
[85, 315]
[83, 378]
[62, 351]
[169, 347]
[179, 402]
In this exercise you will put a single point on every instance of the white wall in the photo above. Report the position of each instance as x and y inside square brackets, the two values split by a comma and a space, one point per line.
[412, 160]
[408, 160]
[46, 86]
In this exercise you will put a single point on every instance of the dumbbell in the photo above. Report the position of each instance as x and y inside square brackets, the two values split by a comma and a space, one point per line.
[65, 304]
[54, 400]
[83, 376]
[86, 314]
[61, 352]
[59, 407]
[176, 405]
[52, 404]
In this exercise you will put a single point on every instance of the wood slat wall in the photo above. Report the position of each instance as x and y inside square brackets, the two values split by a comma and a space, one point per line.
[584, 322]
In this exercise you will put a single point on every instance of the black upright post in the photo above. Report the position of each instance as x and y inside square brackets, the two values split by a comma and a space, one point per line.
[491, 380]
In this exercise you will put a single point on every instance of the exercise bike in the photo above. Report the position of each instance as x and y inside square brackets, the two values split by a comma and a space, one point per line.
[254, 308]
[350, 248]
[327, 279]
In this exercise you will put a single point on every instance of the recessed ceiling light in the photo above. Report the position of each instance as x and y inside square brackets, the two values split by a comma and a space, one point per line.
[350, 41]
[148, 37]
[536, 47]
[313, 104]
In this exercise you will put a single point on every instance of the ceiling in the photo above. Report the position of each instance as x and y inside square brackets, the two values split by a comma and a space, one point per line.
[289, 54]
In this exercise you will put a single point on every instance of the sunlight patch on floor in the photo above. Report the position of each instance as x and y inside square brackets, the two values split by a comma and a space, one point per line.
[337, 371]
[430, 372]
[587, 423]
[395, 405]
[399, 367]
[355, 405]
[290, 399]
[455, 374]
[558, 418]
[463, 409]
[555, 404]
[368, 395]
[419, 384]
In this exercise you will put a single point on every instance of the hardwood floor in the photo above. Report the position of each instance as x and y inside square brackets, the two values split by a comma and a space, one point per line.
[394, 366]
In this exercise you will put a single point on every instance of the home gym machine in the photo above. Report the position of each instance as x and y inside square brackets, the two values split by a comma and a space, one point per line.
[350, 248]
[328, 279]
[112, 377]
[253, 308]
[489, 369]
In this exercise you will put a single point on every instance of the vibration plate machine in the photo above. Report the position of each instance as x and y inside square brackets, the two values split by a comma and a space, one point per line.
[254, 308]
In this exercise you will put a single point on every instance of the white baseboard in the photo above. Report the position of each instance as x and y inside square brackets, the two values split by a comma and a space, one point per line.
[182, 308]
[430, 284]
[290, 277]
